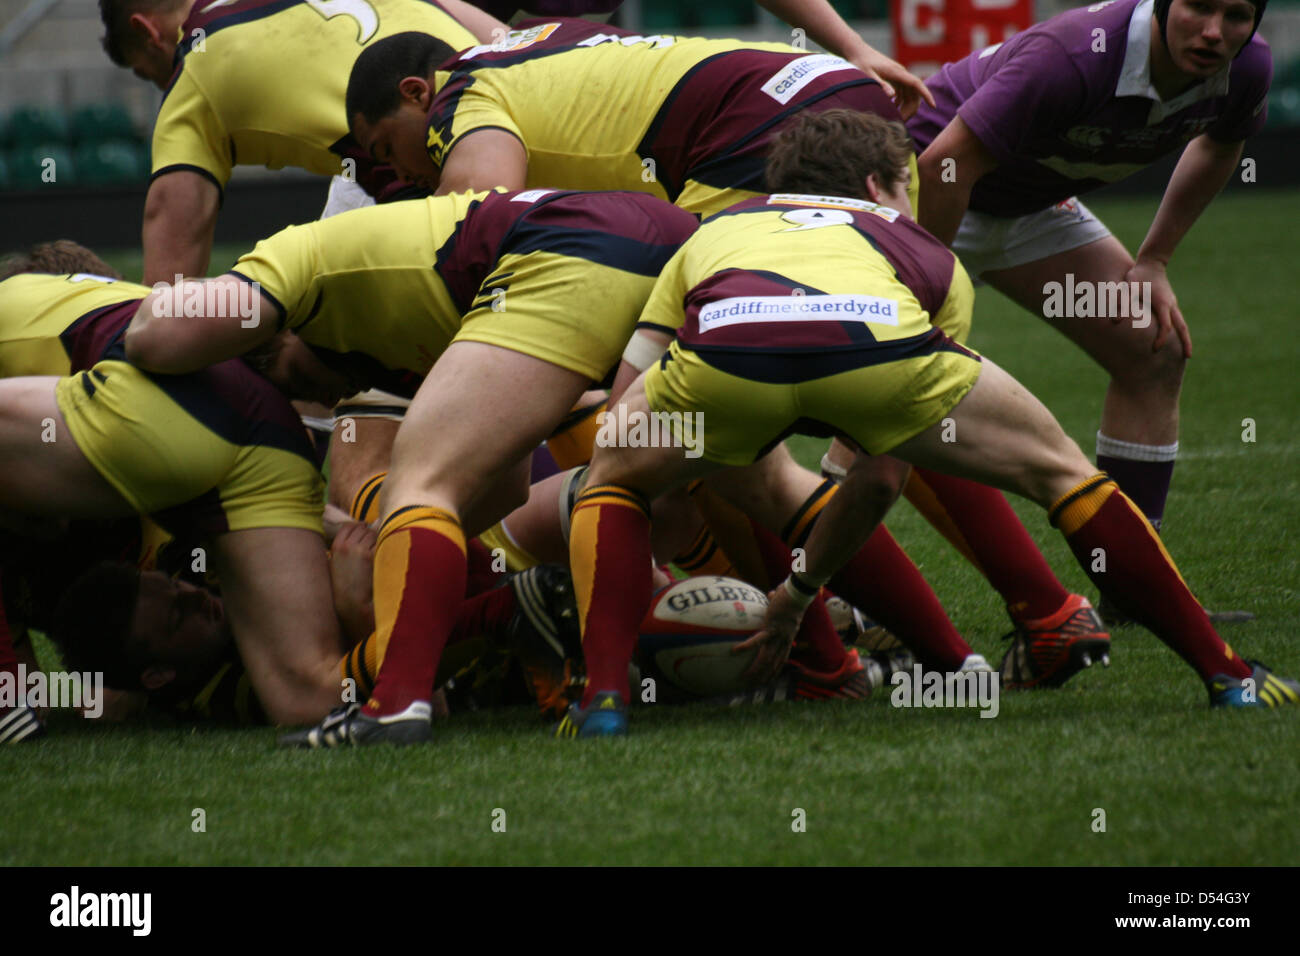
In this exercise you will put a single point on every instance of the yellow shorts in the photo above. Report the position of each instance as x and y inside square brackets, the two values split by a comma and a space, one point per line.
[167, 462]
[571, 312]
[877, 406]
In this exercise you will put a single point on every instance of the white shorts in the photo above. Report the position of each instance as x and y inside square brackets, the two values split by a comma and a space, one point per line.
[985, 243]
[345, 194]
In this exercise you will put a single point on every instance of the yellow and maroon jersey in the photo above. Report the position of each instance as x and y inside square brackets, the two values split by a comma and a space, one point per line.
[262, 82]
[383, 290]
[217, 450]
[845, 279]
[598, 107]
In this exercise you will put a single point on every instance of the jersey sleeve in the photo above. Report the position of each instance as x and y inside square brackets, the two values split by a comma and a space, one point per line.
[284, 268]
[665, 310]
[1037, 87]
[1248, 96]
[188, 135]
[954, 316]
[464, 106]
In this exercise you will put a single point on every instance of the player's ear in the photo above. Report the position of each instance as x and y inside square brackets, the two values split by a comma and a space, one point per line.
[155, 676]
[874, 192]
[416, 89]
[144, 29]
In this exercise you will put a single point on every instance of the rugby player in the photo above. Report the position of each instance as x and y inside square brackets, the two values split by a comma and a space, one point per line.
[571, 104]
[512, 304]
[882, 377]
[218, 455]
[689, 120]
[1081, 100]
[253, 82]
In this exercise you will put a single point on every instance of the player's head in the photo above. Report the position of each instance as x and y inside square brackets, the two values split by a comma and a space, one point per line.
[60, 257]
[1203, 36]
[141, 630]
[842, 153]
[295, 369]
[142, 35]
[388, 98]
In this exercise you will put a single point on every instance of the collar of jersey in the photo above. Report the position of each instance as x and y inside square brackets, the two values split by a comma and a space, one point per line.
[1135, 75]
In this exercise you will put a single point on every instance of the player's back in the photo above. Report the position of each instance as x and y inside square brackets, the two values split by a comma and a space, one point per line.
[592, 102]
[262, 82]
[799, 272]
[53, 325]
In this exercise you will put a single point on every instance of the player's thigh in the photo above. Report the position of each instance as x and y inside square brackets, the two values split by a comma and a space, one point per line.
[770, 490]
[279, 603]
[480, 410]
[1042, 287]
[999, 434]
[44, 470]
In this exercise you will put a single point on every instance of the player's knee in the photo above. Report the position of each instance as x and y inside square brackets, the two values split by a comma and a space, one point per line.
[1138, 368]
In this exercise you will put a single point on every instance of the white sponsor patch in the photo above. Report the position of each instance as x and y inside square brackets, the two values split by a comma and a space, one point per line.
[798, 308]
[832, 202]
[783, 86]
[531, 195]
[513, 41]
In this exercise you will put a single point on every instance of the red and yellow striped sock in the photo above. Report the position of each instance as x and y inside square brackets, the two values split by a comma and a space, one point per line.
[420, 577]
[1122, 554]
[609, 554]
[980, 523]
[574, 439]
[365, 504]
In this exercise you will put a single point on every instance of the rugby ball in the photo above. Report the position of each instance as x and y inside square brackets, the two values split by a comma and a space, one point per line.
[687, 636]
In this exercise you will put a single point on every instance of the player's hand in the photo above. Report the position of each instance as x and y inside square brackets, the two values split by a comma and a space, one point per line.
[352, 559]
[773, 642]
[903, 87]
[1164, 306]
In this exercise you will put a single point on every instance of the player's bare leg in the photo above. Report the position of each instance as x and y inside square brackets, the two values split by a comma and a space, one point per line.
[360, 448]
[44, 471]
[1005, 437]
[611, 560]
[1138, 438]
[441, 466]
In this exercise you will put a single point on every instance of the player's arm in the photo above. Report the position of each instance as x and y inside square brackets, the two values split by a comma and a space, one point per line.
[826, 27]
[1202, 171]
[159, 339]
[949, 168]
[180, 215]
[865, 496]
[483, 25]
[643, 350]
[484, 159]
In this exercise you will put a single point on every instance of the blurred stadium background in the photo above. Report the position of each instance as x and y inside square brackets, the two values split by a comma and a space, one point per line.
[62, 99]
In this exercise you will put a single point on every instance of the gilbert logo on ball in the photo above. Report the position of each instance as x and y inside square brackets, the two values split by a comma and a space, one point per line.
[691, 627]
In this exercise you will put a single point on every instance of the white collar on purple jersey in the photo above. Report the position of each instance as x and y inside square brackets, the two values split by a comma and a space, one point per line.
[1135, 76]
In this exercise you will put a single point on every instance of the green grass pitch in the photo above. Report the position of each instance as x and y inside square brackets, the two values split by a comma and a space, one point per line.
[1179, 784]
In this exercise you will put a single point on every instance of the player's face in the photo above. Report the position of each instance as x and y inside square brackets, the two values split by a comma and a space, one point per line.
[1204, 35]
[400, 140]
[152, 54]
[179, 623]
[896, 196]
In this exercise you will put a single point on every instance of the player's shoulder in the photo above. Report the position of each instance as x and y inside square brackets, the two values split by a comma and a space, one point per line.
[1253, 65]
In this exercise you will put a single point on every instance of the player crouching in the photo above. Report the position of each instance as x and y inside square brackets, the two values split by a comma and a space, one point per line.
[795, 313]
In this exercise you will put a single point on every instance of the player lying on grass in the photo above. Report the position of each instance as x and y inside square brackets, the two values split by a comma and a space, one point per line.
[759, 360]
[570, 103]
[513, 304]
[1069, 105]
[218, 454]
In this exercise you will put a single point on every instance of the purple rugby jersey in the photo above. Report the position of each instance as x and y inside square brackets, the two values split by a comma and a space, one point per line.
[1062, 119]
